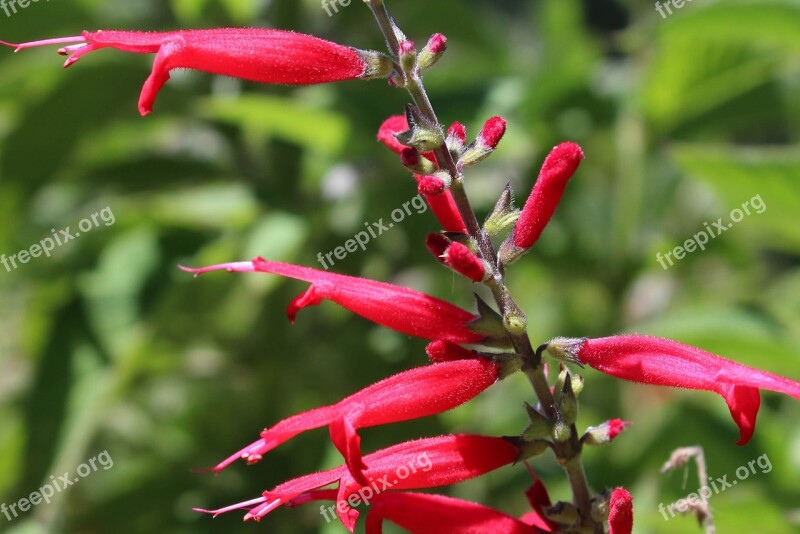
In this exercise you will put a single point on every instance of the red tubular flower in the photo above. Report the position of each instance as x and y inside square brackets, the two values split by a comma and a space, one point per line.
[408, 395]
[418, 464]
[421, 513]
[663, 362]
[620, 512]
[462, 260]
[399, 308]
[558, 168]
[256, 54]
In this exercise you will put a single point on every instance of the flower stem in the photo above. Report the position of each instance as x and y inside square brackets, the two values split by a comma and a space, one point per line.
[568, 453]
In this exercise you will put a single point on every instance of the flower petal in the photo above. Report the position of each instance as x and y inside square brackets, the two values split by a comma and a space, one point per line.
[399, 308]
[664, 362]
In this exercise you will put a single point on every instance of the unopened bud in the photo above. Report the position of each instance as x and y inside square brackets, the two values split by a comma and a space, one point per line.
[605, 433]
[463, 261]
[558, 167]
[408, 56]
[434, 184]
[492, 132]
[456, 139]
[434, 50]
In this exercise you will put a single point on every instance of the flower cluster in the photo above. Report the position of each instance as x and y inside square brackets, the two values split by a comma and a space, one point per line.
[468, 351]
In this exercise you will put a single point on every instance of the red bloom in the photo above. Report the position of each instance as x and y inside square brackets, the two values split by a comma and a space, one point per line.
[408, 395]
[418, 464]
[558, 167]
[257, 54]
[620, 512]
[421, 513]
[462, 260]
[664, 362]
[395, 307]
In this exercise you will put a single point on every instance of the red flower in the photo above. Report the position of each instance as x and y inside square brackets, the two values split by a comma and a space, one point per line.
[421, 513]
[463, 261]
[664, 362]
[395, 307]
[408, 395]
[418, 464]
[620, 512]
[257, 54]
[557, 169]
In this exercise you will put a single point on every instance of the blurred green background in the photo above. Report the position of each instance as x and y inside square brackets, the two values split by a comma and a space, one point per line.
[107, 346]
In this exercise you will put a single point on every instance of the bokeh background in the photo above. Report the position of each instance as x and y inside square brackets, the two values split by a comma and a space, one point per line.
[107, 346]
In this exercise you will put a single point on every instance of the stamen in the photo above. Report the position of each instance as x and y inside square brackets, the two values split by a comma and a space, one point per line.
[45, 42]
[239, 506]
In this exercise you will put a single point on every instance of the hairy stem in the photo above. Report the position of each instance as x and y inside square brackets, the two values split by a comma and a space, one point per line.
[568, 453]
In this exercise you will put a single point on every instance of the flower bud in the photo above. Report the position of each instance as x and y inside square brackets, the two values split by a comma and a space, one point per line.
[605, 433]
[558, 167]
[493, 131]
[435, 49]
[568, 403]
[463, 261]
[408, 56]
[456, 139]
[434, 184]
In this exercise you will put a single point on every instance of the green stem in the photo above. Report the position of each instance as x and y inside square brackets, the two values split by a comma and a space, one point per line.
[568, 453]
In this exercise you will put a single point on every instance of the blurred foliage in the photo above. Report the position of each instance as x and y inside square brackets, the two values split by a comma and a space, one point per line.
[107, 346]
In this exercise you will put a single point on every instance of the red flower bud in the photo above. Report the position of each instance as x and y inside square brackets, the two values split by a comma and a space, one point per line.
[463, 261]
[558, 167]
[493, 131]
[458, 131]
[620, 512]
[256, 54]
